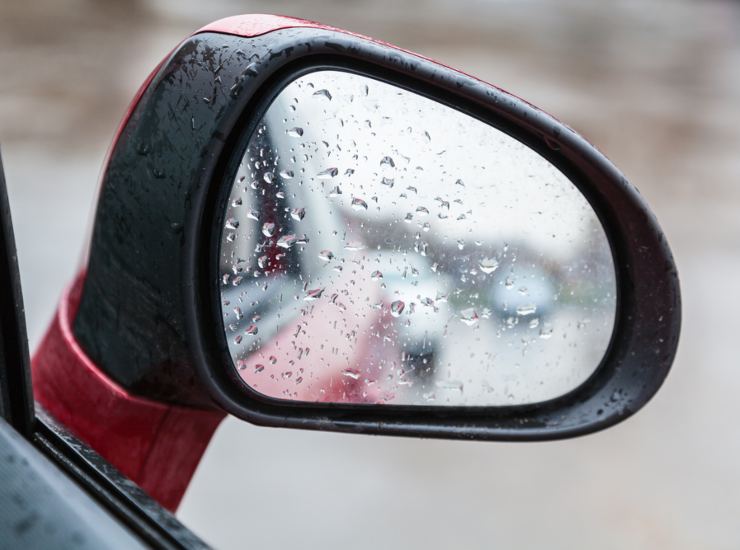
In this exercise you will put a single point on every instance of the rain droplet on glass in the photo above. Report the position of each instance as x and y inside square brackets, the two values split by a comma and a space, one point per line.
[354, 374]
[488, 265]
[313, 294]
[268, 229]
[397, 308]
[359, 204]
[469, 316]
[527, 309]
[324, 93]
[287, 241]
[328, 173]
[326, 255]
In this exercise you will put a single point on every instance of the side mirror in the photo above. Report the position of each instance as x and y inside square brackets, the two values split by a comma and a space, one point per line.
[309, 228]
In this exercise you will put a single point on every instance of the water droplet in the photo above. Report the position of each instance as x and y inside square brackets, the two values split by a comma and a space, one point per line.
[263, 262]
[295, 132]
[469, 316]
[314, 294]
[387, 161]
[259, 368]
[355, 245]
[237, 202]
[461, 183]
[488, 265]
[251, 330]
[397, 308]
[287, 174]
[388, 182]
[253, 214]
[376, 275]
[323, 93]
[443, 203]
[359, 204]
[232, 223]
[422, 209]
[268, 229]
[527, 309]
[269, 177]
[449, 385]
[336, 191]
[328, 173]
[326, 255]
[298, 214]
[287, 241]
[354, 374]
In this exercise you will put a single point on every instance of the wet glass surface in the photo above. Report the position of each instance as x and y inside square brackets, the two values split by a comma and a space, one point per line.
[381, 247]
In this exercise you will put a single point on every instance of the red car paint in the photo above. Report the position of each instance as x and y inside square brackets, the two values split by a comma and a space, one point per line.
[156, 445]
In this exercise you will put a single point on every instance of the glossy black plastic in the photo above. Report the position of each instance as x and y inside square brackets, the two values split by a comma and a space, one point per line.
[16, 399]
[149, 314]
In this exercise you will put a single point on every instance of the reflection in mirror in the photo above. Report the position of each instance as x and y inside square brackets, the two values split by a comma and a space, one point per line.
[380, 247]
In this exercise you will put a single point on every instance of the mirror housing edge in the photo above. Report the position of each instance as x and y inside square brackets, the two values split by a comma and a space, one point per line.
[156, 215]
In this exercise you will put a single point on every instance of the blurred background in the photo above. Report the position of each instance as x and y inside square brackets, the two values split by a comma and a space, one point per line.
[654, 84]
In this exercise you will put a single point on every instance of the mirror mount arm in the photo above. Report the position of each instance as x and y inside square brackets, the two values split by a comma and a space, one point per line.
[156, 445]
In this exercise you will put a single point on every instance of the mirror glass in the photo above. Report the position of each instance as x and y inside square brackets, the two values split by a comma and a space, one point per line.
[381, 247]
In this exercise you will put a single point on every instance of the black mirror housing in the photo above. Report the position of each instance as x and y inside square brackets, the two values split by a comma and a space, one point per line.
[149, 313]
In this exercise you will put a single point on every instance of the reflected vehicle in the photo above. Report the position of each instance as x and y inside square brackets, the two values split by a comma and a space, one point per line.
[414, 280]
[525, 290]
